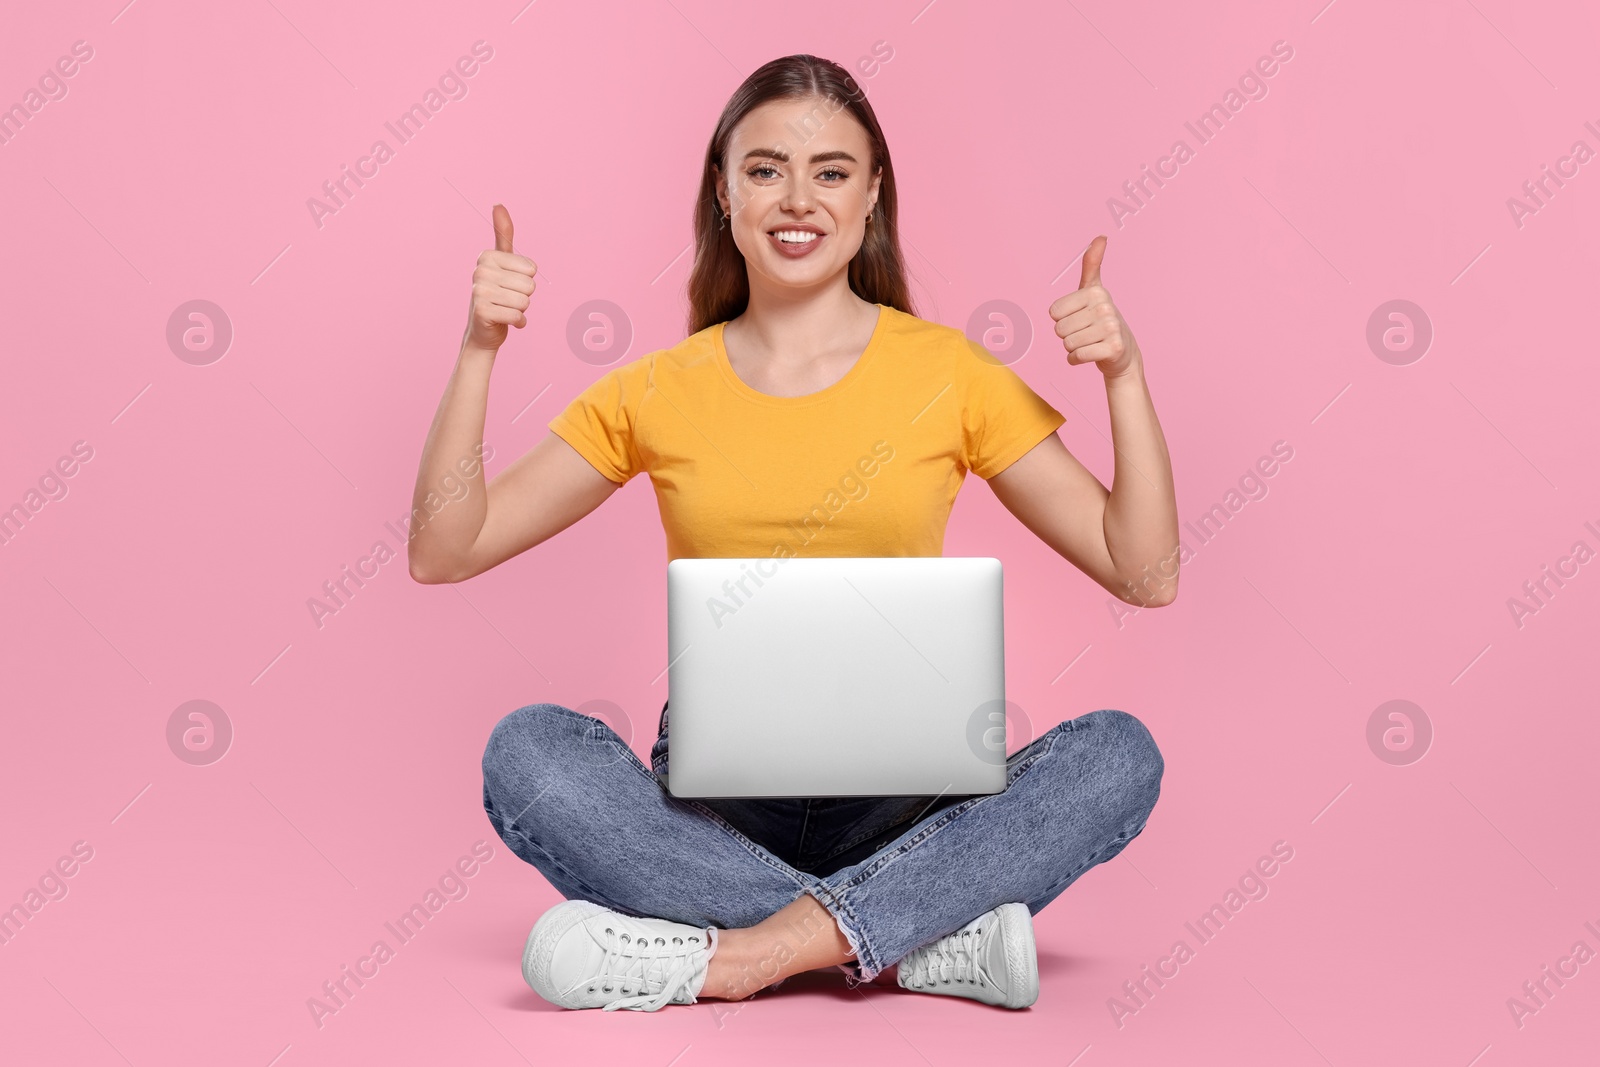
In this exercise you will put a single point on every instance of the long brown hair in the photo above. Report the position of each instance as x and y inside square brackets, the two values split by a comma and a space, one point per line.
[719, 283]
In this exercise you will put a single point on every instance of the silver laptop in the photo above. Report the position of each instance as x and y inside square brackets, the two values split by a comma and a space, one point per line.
[835, 676]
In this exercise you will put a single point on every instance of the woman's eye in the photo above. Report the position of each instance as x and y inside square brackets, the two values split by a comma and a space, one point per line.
[766, 169]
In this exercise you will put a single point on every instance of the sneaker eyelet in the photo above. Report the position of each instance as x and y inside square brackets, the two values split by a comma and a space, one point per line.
[605, 989]
[694, 939]
[677, 940]
[609, 930]
[661, 941]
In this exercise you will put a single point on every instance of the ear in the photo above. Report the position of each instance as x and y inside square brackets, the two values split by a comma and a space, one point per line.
[721, 187]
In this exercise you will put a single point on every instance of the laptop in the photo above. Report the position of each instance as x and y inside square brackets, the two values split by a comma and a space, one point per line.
[835, 676]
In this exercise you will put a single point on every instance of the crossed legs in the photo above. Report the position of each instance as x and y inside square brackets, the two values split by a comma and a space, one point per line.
[568, 796]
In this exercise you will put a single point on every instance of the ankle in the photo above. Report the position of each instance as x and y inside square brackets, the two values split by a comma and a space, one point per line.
[744, 964]
[802, 936]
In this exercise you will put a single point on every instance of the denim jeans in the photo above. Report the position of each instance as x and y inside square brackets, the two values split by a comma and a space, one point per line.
[567, 795]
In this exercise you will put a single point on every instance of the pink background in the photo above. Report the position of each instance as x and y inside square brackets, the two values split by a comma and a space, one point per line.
[219, 497]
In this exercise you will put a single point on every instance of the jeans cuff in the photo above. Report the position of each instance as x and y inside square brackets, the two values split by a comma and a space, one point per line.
[863, 961]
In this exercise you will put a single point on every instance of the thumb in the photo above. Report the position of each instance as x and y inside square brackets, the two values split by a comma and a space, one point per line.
[1091, 261]
[502, 228]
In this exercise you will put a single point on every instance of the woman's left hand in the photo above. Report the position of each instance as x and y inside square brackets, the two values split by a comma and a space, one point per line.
[1091, 327]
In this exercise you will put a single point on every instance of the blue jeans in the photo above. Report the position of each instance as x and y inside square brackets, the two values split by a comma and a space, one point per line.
[567, 795]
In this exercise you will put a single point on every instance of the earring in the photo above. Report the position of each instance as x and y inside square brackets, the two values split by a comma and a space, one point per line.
[869, 218]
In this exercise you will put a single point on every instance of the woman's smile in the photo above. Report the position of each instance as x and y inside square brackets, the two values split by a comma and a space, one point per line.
[796, 241]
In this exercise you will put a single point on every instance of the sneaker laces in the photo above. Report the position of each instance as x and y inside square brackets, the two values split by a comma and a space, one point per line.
[649, 972]
[955, 958]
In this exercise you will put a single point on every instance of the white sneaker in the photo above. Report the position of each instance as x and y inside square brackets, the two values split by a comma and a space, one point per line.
[992, 959]
[581, 955]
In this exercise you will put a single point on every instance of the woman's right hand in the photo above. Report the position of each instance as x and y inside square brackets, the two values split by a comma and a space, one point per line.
[501, 286]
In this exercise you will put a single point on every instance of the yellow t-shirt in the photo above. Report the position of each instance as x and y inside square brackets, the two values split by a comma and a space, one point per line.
[869, 466]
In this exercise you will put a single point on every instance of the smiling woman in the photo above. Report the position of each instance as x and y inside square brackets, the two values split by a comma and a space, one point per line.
[804, 359]
[824, 133]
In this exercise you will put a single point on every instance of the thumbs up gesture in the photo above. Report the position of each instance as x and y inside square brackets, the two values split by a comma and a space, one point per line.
[1089, 324]
[502, 284]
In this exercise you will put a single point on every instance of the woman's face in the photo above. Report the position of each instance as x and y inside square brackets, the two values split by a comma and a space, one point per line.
[798, 168]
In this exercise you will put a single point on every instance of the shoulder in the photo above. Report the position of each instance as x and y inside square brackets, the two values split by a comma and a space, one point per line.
[934, 344]
[695, 352]
[694, 355]
[903, 326]
[638, 376]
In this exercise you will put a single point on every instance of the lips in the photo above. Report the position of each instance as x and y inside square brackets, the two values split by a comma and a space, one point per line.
[796, 249]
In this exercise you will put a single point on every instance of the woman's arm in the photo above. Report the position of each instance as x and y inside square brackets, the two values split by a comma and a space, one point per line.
[539, 495]
[1125, 539]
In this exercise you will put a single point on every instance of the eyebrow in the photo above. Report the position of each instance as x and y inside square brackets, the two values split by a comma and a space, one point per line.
[783, 157]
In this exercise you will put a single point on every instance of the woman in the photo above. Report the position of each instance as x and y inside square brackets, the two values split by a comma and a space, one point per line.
[804, 360]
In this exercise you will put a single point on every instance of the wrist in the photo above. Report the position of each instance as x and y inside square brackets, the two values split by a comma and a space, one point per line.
[1132, 378]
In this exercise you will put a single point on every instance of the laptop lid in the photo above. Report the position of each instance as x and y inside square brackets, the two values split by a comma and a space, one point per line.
[835, 676]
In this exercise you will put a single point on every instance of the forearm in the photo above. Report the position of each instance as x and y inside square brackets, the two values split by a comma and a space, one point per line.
[443, 535]
[1141, 515]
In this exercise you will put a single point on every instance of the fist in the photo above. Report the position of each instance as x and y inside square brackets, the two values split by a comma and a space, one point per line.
[502, 284]
[1089, 324]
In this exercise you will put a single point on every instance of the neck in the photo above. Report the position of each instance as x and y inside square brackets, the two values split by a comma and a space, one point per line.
[802, 324]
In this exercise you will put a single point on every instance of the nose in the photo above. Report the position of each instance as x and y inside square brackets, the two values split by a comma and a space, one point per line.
[797, 195]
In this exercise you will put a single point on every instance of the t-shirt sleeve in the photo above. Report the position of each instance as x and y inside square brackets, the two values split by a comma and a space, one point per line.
[1002, 418]
[599, 422]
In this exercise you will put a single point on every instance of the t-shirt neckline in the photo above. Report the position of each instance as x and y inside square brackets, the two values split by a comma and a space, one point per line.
[739, 385]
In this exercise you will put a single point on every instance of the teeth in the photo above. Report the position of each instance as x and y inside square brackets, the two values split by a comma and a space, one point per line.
[796, 237]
